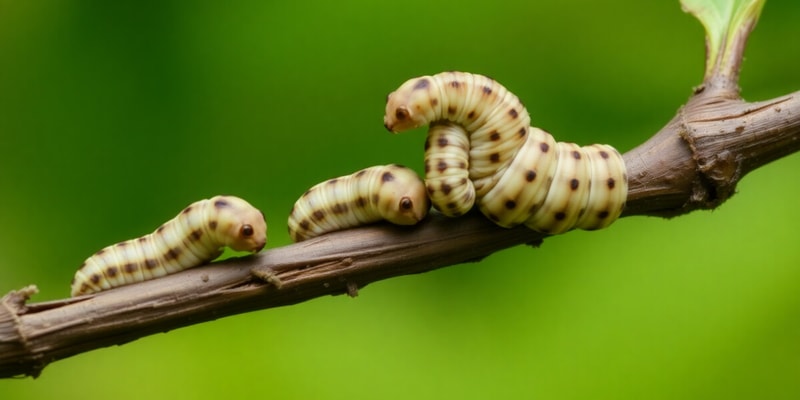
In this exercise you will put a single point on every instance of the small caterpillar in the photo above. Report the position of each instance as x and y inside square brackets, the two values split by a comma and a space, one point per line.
[193, 237]
[517, 174]
[391, 192]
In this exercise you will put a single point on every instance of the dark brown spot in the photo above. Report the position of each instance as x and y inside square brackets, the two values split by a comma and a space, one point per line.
[462, 181]
[455, 84]
[494, 136]
[305, 224]
[446, 189]
[434, 102]
[247, 230]
[99, 252]
[427, 144]
[332, 181]
[142, 239]
[112, 271]
[196, 235]
[187, 210]
[150, 263]
[160, 229]
[603, 154]
[494, 218]
[441, 166]
[421, 84]
[611, 183]
[173, 253]
[129, 268]
[511, 204]
[431, 190]
[406, 203]
[339, 208]
[522, 131]
[318, 215]
[221, 204]
[442, 142]
[560, 216]
[513, 113]
[530, 175]
[494, 157]
[361, 173]
[95, 278]
[462, 164]
[576, 154]
[602, 214]
[573, 184]
[487, 90]
[451, 110]
[545, 147]
[212, 225]
[123, 244]
[471, 114]
[387, 177]
[361, 201]
[401, 113]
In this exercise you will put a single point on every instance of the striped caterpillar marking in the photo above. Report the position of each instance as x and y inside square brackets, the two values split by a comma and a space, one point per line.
[517, 174]
[391, 192]
[192, 238]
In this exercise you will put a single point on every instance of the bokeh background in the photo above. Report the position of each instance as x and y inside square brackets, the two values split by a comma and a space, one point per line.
[115, 115]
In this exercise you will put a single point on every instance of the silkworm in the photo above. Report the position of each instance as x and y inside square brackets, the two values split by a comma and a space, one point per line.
[387, 192]
[194, 237]
[517, 174]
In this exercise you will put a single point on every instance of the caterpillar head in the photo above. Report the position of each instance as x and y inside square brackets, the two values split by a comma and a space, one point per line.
[412, 105]
[240, 225]
[401, 198]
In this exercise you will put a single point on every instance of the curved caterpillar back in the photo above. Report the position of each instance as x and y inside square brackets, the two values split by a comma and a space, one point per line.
[517, 174]
[391, 192]
[194, 237]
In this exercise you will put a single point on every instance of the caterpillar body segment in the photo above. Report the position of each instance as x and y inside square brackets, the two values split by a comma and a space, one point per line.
[194, 237]
[447, 169]
[387, 192]
[494, 118]
[517, 174]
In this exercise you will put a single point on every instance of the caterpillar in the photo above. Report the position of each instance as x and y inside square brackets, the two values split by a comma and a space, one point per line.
[192, 238]
[482, 150]
[386, 192]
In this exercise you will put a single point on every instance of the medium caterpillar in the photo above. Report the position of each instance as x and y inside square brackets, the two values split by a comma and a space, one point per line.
[192, 238]
[386, 192]
[517, 174]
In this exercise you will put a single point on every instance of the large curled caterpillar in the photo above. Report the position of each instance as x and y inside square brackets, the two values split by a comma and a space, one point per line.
[386, 192]
[481, 150]
[192, 238]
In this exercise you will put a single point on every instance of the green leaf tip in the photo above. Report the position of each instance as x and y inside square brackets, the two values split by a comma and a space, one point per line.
[728, 23]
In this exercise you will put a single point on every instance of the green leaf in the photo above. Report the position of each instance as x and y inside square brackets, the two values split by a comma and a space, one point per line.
[728, 23]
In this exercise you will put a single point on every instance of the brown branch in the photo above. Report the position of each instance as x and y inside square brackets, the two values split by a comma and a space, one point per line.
[694, 162]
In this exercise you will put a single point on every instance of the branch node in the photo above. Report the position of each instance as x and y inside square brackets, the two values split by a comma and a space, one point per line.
[267, 275]
[352, 289]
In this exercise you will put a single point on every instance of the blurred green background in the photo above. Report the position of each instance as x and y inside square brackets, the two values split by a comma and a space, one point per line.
[115, 115]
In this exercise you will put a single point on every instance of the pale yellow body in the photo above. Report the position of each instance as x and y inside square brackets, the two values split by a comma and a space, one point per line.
[387, 192]
[517, 174]
[194, 237]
